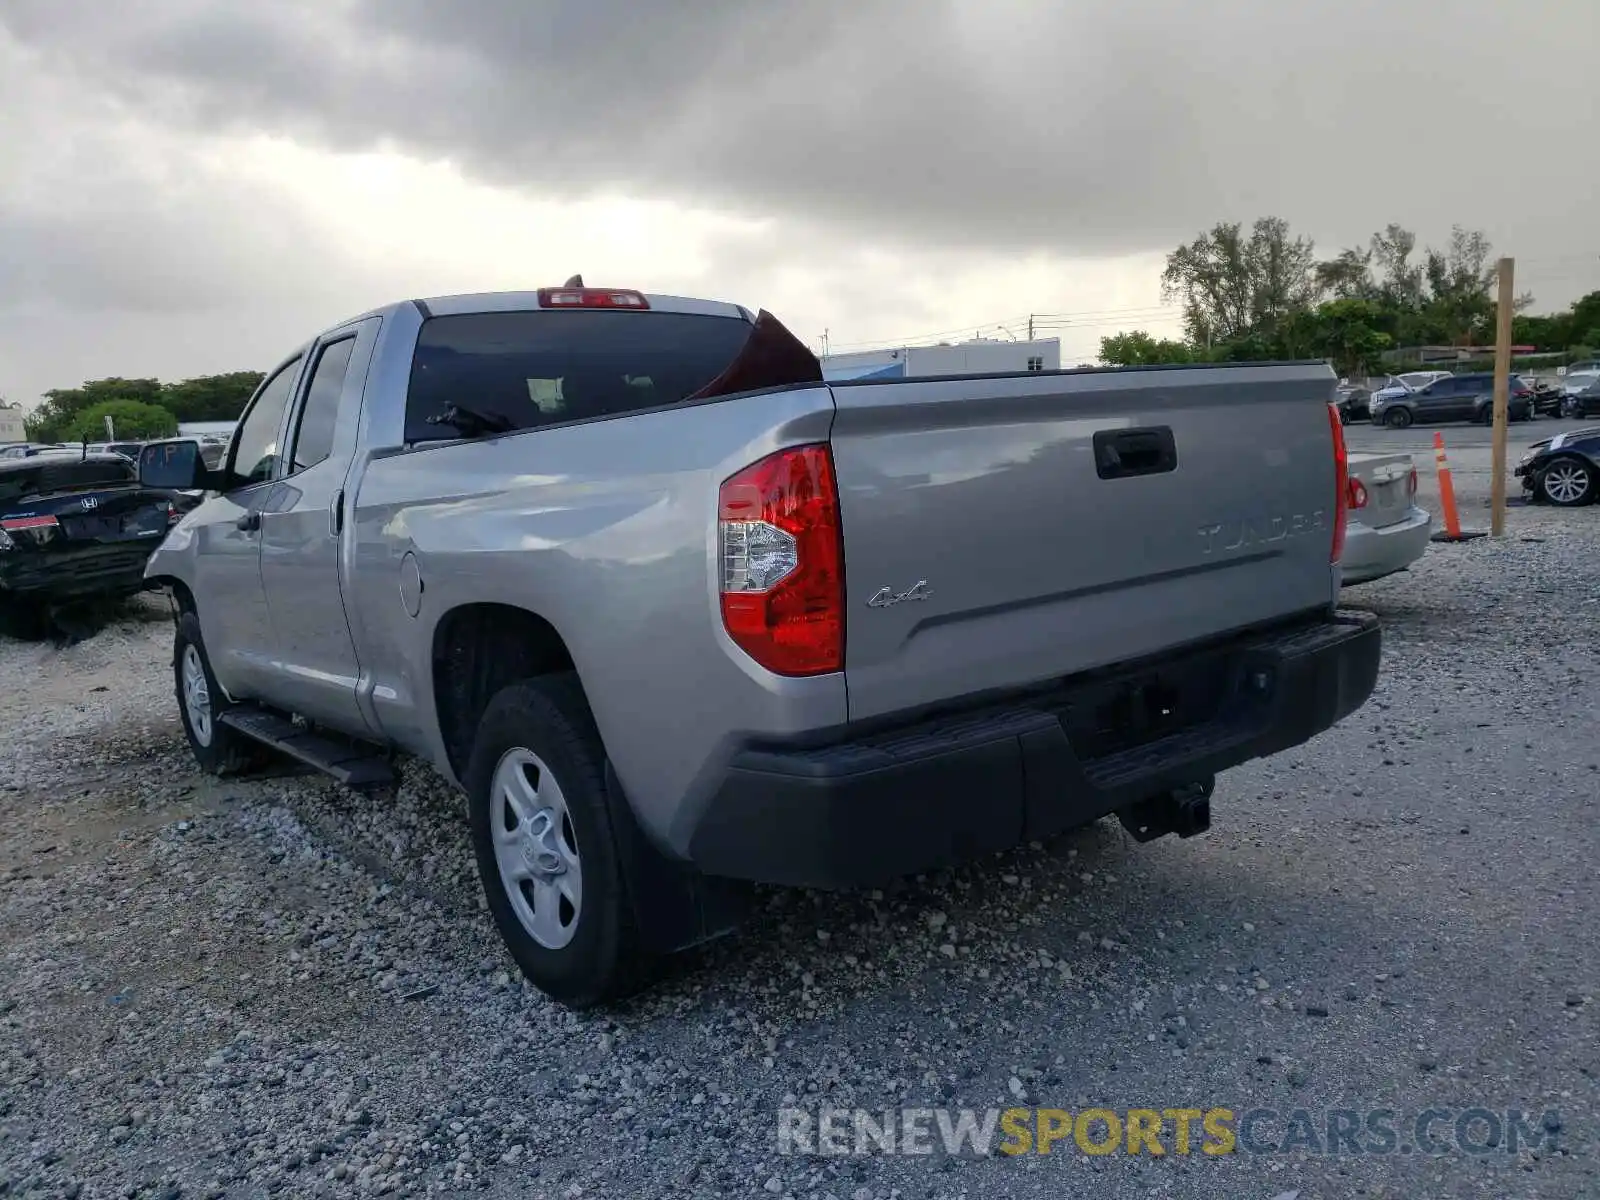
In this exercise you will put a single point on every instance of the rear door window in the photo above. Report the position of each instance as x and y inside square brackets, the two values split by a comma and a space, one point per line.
[313, 438]
[536, 368]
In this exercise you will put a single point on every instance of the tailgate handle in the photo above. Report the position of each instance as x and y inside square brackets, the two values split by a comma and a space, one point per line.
[1120, 453]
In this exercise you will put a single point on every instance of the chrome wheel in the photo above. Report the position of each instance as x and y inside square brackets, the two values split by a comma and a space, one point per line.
[536, 848]
[196, 695]
[1566, 483]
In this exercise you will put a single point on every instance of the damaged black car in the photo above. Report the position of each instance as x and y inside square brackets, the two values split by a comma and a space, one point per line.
[1563, 470]
[74, 529]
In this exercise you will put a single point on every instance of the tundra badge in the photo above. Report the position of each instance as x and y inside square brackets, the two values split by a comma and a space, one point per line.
[884, 597]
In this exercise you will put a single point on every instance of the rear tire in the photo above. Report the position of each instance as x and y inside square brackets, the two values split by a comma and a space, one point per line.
[1398, 418]
[547, 855]
[1567, 483]
[217, 748]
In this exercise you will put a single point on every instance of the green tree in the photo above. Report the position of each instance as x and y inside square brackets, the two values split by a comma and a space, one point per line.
[1139, 349]
[130, 418]
[1347, 333]
[210, 397]
[1261, 295]
[1348, 276]
[1461, 283]
[1231, 285]
[1572, 332]
[1399, 282]
[55, 418]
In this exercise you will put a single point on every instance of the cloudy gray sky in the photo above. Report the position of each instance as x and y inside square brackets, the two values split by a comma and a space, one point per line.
[194, 185]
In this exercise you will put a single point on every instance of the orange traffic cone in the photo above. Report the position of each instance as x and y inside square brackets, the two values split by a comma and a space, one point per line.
[1447, 497]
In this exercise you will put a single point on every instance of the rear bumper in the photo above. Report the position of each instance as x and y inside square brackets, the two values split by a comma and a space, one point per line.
[953, 787]
[107, 569]
[1373, 553]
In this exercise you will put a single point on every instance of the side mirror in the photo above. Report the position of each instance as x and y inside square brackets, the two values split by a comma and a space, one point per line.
[174, 465]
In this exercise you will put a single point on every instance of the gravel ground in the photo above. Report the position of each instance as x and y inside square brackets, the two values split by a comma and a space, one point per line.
[270, 986]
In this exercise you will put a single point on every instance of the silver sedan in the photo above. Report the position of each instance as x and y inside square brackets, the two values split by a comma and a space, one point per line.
[1385, 530]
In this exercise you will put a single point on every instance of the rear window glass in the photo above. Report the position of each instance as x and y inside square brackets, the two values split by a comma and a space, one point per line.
[539, 368]
[42, 477]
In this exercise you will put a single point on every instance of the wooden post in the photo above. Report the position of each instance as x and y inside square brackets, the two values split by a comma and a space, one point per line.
[1502, 395]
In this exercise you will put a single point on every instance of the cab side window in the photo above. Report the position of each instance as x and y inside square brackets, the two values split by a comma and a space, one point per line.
[255, 446]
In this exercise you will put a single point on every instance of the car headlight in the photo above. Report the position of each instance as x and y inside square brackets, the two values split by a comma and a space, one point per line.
[5, 540]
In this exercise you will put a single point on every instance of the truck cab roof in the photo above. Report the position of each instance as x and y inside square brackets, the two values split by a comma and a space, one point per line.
[522, 301]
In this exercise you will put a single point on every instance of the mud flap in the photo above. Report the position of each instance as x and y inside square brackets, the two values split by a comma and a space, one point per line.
[674, 905]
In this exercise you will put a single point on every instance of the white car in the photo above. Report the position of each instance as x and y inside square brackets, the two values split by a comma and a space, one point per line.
[1385, 529]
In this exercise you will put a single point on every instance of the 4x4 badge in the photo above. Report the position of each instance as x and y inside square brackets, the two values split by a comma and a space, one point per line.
[888, 596]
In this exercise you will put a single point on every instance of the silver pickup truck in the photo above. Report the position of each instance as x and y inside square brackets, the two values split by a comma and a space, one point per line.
[679, 616]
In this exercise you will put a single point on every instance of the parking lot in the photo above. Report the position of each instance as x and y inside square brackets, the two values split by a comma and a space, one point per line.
[272, 986]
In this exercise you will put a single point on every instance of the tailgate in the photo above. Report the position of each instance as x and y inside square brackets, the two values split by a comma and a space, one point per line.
[1001, 531]
[1386, 477]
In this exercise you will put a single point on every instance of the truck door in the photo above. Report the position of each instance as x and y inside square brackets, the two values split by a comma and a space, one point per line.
[227, 531]
[315, 665]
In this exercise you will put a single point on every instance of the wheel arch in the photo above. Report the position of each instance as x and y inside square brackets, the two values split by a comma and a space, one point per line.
[478, 649]
[182, 598]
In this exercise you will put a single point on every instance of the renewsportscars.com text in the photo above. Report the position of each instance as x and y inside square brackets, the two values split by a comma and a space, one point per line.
[1157, 1133]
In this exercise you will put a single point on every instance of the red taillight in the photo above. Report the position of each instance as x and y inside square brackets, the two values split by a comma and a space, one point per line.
[782, 563]
[1355, 494]
[1341, 473]
[15, 523]
[172, 513]
[1411, 483]
[576, 297]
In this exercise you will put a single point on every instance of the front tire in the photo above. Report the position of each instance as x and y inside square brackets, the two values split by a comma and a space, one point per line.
[1398, 418]
[542, 835]
[1567, 483]
[217, 748]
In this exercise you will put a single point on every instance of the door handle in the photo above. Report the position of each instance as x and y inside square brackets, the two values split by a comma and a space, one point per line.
[249, 523]
[1121, 453]
[336, 514]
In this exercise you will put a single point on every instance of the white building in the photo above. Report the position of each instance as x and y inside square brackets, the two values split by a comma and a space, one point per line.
[980, 357]
[11, 429]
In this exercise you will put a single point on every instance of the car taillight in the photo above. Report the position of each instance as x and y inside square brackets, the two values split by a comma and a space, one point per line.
[13, 524]
[1341, 474]
[1411, 483]
[782, 562]
[1355, 493]
[172, 513]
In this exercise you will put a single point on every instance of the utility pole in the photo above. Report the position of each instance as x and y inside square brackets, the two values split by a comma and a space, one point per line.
[824, 343]
[1502, 395]
[1030, 327]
